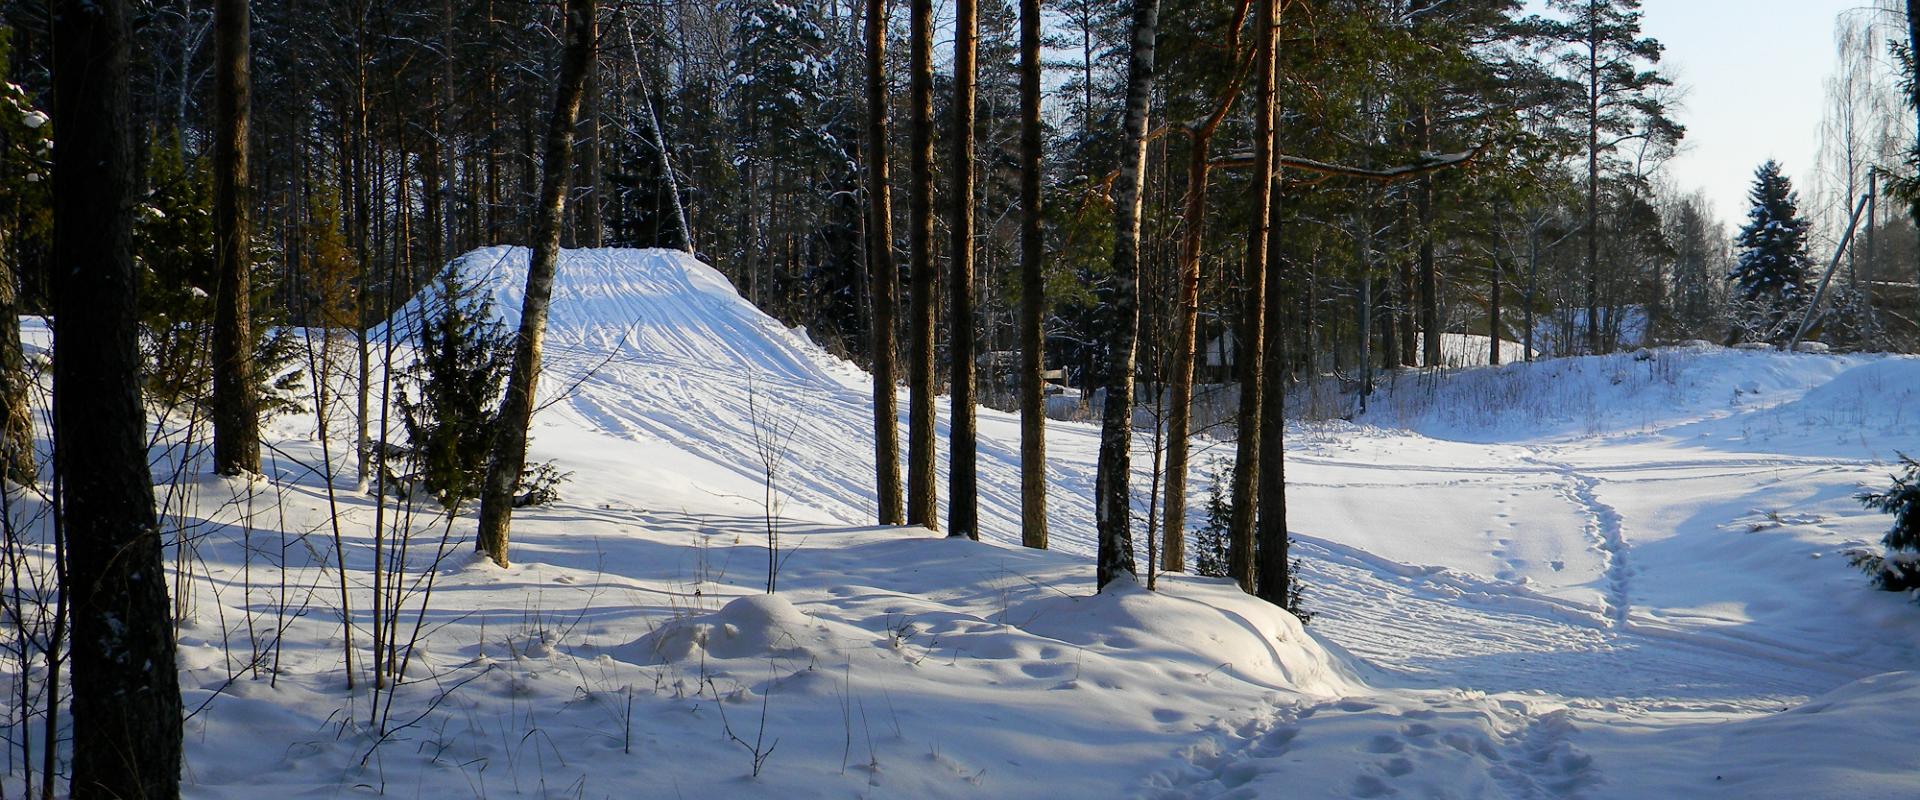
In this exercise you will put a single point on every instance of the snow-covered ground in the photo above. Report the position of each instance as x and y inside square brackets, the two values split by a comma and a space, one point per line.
[1619, 576]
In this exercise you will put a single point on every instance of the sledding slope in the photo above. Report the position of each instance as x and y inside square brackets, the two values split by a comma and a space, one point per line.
[652, 346]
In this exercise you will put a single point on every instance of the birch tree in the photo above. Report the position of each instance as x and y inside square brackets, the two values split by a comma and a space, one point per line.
[516, 407]
[1112, 494]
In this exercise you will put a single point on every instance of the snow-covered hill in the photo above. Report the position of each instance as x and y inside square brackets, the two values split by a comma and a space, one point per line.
[1596, 577]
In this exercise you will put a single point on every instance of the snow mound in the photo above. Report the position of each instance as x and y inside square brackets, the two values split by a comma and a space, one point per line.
[754, 626]
[1191, 627]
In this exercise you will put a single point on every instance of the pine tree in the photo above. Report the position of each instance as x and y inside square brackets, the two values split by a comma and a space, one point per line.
[1773, 262]
[963, 493]
[1253, 334]
[1695, 243]
[921, 497]
[1033, 351]
[1613, 64]
[236, 402]
[172, 229]
[882, 271]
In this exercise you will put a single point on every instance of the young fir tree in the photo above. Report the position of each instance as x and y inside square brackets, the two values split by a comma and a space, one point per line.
[1210, 541]
[1899, 569]
[1773, 262]
[449, 418]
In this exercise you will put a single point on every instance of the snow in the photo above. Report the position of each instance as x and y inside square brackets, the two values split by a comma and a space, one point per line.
[1599, 577]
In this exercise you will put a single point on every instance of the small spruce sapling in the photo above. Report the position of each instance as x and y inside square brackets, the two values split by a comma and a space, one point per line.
[456, 384]
[1210, 541]
[1899, 568]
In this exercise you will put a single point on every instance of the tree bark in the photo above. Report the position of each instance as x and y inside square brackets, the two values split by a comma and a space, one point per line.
[1250, 354]
[1493, 317]
[1111, 496]
[882, 271]
[1429, 279]
[17, 460]
[921, 504]
[126, 696]
[1033, 301]
[593, 229]
[1273, 568]
[236, 404]
[1173, 554]
[963, 490]
[1593, 179]
[516, 407]
[1533, 278]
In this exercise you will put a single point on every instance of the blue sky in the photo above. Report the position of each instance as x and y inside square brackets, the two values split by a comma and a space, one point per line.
[1753, 72]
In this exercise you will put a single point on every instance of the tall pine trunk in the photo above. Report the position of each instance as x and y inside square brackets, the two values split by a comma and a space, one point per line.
[593, 230]
[1173, 556]
[236, 405]
[1493, 316]
[1272, 567]
[1250, 352]
[1429, 277]
[1593, 178]
[963, 492]
[126, 696]
[921, 507]
[516, 407]
[1033, 301]
[883, 273]
[1111, 495]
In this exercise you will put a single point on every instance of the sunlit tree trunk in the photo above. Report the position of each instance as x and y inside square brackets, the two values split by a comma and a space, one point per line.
[921, 508]
[236, 404]
[1251, 352]
[516, 406]
[1111, 496]
[1033, 301]
[882, 271]
[963, 491]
